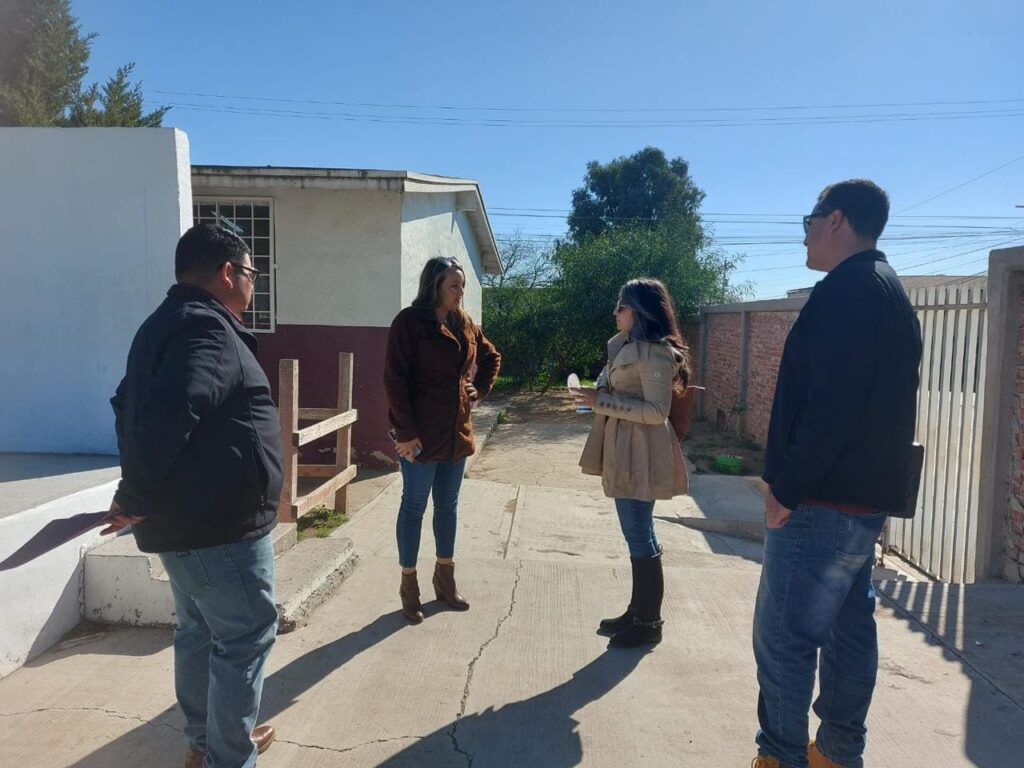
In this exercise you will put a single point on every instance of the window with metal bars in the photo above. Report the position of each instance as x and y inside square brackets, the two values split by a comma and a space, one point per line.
[252, 219]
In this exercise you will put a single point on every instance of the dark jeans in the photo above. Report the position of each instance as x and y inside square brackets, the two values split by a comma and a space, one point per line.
[419, 480]
[636, 517]
[816, 593]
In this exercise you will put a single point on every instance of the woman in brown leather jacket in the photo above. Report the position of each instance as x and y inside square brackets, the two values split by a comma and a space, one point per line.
[437, 366]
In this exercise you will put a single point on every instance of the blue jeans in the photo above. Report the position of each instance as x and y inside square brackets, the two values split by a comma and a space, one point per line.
[816, 593]
[418, 480]
[226, 624]
[636, 517]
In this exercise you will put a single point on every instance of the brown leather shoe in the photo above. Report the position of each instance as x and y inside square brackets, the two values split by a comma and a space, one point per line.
[412, 609]
[445, 589]
[817, 760]
[262, 737]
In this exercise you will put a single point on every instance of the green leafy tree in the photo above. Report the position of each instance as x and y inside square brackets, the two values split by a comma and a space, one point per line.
[644, 189]
[43, 61]
[591, 273]
[519, 309]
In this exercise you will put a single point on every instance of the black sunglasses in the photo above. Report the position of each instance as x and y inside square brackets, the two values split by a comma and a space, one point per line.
[816, 215]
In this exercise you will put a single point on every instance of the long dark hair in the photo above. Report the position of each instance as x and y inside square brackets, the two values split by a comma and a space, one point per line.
[429, 293]
[654, 319]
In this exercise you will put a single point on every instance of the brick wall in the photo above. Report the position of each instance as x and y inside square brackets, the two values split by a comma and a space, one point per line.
[1014, 563]
[768, 332]
[691, 335]
[722, 375]
[727, 402]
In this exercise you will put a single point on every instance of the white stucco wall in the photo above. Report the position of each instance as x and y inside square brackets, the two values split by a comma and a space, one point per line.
[432, 226]
[89, 218]
[42, 598]
[337, 254]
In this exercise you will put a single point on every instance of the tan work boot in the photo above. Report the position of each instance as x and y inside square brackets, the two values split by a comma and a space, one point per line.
[817, 760]
[763, 761]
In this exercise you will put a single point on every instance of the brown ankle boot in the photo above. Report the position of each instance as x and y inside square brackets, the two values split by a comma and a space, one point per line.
[445, 589]
[410, 594]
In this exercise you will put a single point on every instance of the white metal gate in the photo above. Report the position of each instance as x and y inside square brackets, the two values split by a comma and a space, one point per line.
[941, 539]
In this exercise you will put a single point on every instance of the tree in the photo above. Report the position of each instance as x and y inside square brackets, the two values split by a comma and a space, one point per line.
[120, 104]
[551, 313]
[591, 273]
[519, 309]
[43, 61]
[643, 189]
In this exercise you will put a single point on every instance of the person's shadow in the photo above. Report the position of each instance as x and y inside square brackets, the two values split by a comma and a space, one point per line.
[159, 741]
[538, 732]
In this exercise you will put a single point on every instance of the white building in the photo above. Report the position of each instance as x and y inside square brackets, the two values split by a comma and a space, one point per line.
[341, 252]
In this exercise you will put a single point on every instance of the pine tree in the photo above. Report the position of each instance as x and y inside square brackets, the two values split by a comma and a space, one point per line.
[43, 61]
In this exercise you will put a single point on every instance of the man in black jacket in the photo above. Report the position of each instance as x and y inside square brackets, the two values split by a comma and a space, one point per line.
[836, 461]
[200, 451]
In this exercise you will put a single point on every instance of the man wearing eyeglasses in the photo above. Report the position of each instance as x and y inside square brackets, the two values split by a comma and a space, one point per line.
[200, 446]
[837, 459]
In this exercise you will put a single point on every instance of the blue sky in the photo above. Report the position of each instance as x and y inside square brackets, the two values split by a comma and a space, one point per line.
[644, 64]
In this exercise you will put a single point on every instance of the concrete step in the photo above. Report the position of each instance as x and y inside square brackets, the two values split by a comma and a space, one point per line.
[126, 586]
[308, 575]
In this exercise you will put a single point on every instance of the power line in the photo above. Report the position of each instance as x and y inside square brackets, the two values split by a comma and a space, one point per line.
[524, 123]
[961, 186]
[796, 216]
[584, 110]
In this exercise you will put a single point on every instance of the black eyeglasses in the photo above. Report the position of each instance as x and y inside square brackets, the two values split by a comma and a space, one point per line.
[251, 273]
[816, 215]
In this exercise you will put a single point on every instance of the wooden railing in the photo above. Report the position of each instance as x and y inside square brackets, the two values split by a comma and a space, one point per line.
[327, 420]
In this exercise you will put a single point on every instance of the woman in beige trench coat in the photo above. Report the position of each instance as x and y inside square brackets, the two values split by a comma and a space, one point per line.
[633, 447]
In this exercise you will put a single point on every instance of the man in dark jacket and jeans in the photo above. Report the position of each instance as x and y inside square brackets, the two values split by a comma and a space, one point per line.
[200, 452]
[836, 461]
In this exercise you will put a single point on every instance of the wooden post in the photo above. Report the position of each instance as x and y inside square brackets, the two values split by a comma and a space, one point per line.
[343, 446]
[288, 411]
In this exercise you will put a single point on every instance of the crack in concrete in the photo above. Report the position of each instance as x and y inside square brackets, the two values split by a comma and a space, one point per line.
[101, 710]
[453, 732]
[340, 751]
[143, 721]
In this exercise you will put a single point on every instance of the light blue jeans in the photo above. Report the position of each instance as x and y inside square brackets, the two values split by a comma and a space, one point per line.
[226, 625]
[419, 480]
[816, 595]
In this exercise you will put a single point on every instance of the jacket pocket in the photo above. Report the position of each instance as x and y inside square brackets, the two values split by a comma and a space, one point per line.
[262, 473]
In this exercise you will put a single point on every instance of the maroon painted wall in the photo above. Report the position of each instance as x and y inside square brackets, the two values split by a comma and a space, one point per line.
[316, 347]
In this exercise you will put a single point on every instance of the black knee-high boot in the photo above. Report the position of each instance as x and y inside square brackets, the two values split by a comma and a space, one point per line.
[611, 626]
[645, 629]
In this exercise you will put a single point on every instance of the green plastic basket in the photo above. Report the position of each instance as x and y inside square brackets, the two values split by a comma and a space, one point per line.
[730, 465]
